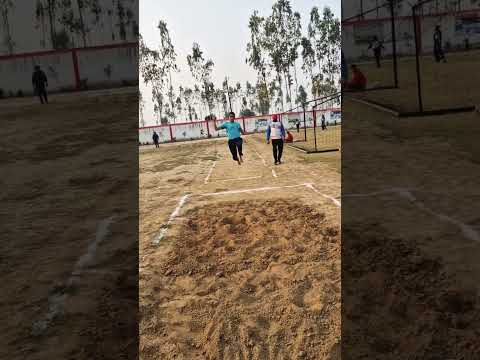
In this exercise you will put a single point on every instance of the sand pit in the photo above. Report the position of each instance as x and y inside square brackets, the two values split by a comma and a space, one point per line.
[69, 261]
[412, 301]
[248, 280]
[249, 268]
[410, 248]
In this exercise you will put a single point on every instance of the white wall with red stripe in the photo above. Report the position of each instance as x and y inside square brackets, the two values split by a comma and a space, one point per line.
[203, 130]
[95, 67]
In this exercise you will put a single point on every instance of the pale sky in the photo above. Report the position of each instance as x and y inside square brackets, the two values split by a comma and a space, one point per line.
[220, 27]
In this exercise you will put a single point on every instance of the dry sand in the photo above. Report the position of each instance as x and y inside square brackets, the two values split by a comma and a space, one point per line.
[69, 275]
[411, 236]
[239, 276]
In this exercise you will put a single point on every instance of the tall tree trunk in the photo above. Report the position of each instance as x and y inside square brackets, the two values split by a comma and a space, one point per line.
[6, 25]
[296, 81]
[52, 19]
[80, 6]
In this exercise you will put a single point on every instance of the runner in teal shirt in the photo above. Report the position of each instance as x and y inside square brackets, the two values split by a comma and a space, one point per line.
[235, 142]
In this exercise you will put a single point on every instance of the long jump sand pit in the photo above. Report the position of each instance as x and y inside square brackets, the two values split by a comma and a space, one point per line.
[247, 268]
[411, 236]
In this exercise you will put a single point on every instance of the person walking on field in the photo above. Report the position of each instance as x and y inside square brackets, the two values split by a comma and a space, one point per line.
[235, 141]
[377, 47]
[276, 132]
[324, 125]
[155, 138]
[298, 126]
[437, 45]
[40, 84]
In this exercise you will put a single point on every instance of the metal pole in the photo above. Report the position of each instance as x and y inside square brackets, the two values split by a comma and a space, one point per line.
[417, 58]
[394, 46]
[304, 123]
[315, 128]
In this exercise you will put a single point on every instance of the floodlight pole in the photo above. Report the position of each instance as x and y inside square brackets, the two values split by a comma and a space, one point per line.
[394, 45]
[417, 58]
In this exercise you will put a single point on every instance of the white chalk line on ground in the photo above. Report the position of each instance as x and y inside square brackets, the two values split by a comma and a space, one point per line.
[210, 172]
[469, 231]
[173, 215]
[252, 190]
[335, 201]
[239, 179]
[57, 300]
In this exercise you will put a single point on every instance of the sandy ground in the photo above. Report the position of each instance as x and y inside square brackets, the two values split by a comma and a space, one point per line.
[250, 275]
[451, 84]
[410, 235]
[68, 263]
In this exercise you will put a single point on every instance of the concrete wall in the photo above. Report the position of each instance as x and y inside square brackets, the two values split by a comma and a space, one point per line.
[16, 72]
[100, 66]
[379, 24]
[199, 130]
[109, 66]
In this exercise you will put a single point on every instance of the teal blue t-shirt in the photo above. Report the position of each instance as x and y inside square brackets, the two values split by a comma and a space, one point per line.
[233, 129]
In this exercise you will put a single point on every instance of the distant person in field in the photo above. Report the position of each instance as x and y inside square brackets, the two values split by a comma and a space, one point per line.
[324, 125]
[437, 45]
[298, 126]
[40, 84]
[276, 132]
[358, 81]
[377, 47]
[289, 137]
[155, 138]
[235, 141]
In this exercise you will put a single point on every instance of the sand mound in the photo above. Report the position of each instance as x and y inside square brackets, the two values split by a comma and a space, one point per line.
[248, 280]
[413, 309]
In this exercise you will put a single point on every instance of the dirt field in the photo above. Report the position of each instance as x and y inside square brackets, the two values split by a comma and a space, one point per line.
[69, 261]
[249, 265]
[410, 235]
[452, 84]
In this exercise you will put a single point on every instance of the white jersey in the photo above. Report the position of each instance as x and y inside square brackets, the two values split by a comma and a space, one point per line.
[275, 130]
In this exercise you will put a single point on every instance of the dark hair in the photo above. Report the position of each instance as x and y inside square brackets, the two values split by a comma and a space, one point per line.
[231, 114]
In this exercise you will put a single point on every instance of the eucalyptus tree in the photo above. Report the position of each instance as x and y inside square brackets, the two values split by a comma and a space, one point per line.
[324, 33]
[188, 97]
[309, 61]
[46, 11]
[255, 48]
[6, 7]
[201, 71]
[169, 56]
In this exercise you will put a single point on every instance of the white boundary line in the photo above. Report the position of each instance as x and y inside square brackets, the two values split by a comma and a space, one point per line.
[469, 231]
[252, 190]
[210, 172]
[238, 179]
[57, 300]
[261, 157]
[335, 201]
[172, 217]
